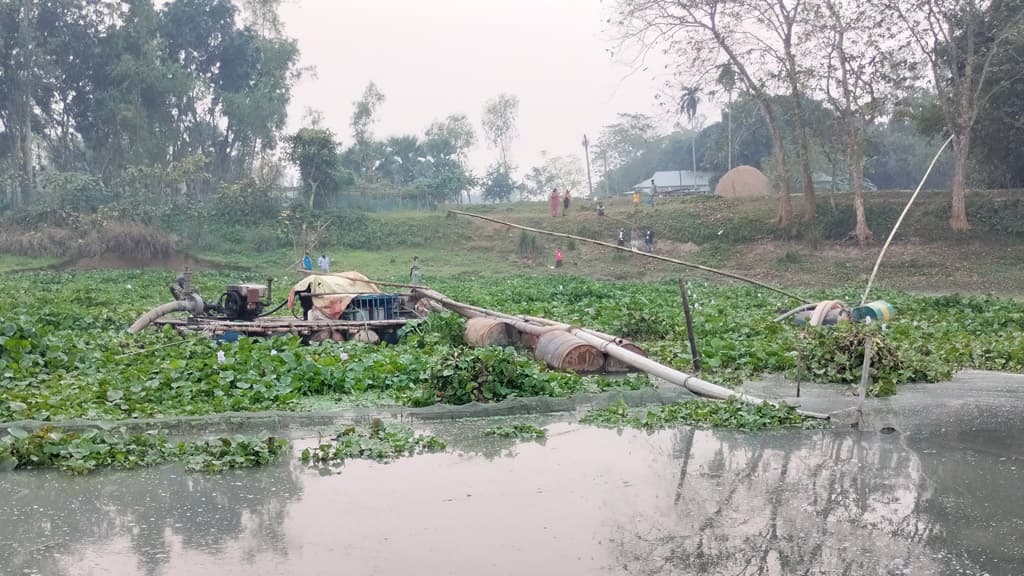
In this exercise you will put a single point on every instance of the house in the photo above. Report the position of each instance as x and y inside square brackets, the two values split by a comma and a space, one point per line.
[675, 182]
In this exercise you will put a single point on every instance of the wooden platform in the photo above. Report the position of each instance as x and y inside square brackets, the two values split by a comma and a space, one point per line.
[276, 325]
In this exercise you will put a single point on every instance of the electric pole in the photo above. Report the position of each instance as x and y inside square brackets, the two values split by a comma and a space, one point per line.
[586, 152]
[607, 177]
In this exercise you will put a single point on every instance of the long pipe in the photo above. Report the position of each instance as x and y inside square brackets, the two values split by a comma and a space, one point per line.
[692, 383]
[645, 254]
[194, 305]
[871, 279]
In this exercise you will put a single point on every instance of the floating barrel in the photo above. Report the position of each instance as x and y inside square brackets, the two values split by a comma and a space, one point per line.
[613, 366]
[563, 351]
[490, 332]
[877, 311]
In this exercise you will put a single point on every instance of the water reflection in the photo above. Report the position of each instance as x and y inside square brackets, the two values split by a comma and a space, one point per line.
[822, 503]
[587, 501]
[48, 516]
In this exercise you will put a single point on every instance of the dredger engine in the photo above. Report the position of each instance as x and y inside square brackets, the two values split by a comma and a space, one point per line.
[241, 301]
[244, 301]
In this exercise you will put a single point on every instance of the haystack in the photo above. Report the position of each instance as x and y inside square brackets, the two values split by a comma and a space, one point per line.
[744, 182]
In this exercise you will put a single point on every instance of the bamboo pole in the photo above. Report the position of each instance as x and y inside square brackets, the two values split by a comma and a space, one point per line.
[631, 251]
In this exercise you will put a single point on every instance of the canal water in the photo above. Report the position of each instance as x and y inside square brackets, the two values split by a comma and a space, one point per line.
[943, 500]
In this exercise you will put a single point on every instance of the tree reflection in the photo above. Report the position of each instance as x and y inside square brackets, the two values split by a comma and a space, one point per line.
[780, 504]
[152, 509]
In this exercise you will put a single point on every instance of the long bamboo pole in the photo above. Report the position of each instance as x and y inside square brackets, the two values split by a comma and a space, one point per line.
[644, 254]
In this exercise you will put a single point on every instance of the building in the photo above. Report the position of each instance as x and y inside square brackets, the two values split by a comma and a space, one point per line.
[675, 182]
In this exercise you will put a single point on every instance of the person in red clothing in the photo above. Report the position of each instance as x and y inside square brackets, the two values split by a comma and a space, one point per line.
[554, 202]
[558, 258]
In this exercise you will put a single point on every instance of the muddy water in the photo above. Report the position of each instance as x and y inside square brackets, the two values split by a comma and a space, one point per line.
[588, 501]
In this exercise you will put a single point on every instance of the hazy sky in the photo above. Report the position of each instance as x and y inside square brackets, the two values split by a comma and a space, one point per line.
[432, 58]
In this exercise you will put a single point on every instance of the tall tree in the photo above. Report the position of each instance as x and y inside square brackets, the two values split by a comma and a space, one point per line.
[864, 73]
[446, 145]
[689, 101]
[499, 123]
[365, 152]
[959, 42]
[626, 139]
[314, 151]
[784, 20]
[706, 34]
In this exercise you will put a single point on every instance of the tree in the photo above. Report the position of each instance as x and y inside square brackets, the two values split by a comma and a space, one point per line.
[959, 42]
[499, 124]
[784, 20]
[562, 172]
[446, 145]
[626, 139]
[363, 117]
[727, 80]
[689, 101]
[864, 74]
[498, 184]
[705, 35]
[314, 152]
[364, 154]
[402, 156]
[997, 144]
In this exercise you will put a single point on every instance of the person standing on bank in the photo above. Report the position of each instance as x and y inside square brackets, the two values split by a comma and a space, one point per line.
[325, 263]
[566, 200]
[414, 272]
[649, 241]
[307, 263]
[554, 202]
[636, 200]
[558, 258]
[621, 240]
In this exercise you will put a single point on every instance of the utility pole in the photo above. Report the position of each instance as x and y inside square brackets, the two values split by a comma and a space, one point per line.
[607, 176]
[586, 152]
[730, 130]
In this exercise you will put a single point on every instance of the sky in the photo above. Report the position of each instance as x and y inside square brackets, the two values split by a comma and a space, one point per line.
[432, 58]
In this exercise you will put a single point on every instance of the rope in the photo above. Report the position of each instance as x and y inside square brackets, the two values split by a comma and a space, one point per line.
[899, 221]
[631, 251]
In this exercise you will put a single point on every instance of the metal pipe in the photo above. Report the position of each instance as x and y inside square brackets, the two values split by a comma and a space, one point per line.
[692, 383]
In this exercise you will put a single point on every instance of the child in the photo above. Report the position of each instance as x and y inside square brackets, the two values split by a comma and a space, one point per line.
[307, 263]
[554, 202]
[558, 258]
[621, 240]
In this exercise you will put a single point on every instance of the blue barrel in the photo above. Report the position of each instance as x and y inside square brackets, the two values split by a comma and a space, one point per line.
[877, 311]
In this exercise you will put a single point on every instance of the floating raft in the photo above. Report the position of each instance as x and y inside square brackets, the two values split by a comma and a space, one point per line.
[277, 325]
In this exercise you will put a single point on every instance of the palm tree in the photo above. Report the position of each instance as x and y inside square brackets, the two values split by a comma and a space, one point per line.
[727, 80]
[689, 100]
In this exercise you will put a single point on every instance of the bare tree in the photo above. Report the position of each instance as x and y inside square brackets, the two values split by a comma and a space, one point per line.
[784, 21]
[705, 35]
[863, 74]
[499, 125]
[959, 41]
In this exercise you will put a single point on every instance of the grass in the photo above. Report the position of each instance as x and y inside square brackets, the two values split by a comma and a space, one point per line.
[10, 262]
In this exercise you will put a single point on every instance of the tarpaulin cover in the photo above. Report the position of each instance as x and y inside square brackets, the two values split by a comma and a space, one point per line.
[338, 289]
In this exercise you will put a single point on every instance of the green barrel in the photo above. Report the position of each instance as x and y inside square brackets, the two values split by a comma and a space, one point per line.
[877, 311]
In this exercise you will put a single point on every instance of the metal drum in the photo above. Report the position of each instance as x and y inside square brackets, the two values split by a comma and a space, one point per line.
[490, 332]
[563, 351]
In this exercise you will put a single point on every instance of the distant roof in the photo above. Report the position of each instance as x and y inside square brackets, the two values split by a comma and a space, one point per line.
[677, 179]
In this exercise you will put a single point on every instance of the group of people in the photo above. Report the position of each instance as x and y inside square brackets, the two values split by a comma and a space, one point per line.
[565, 198]
[323, 262]
[415, 271]
[634, 239]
